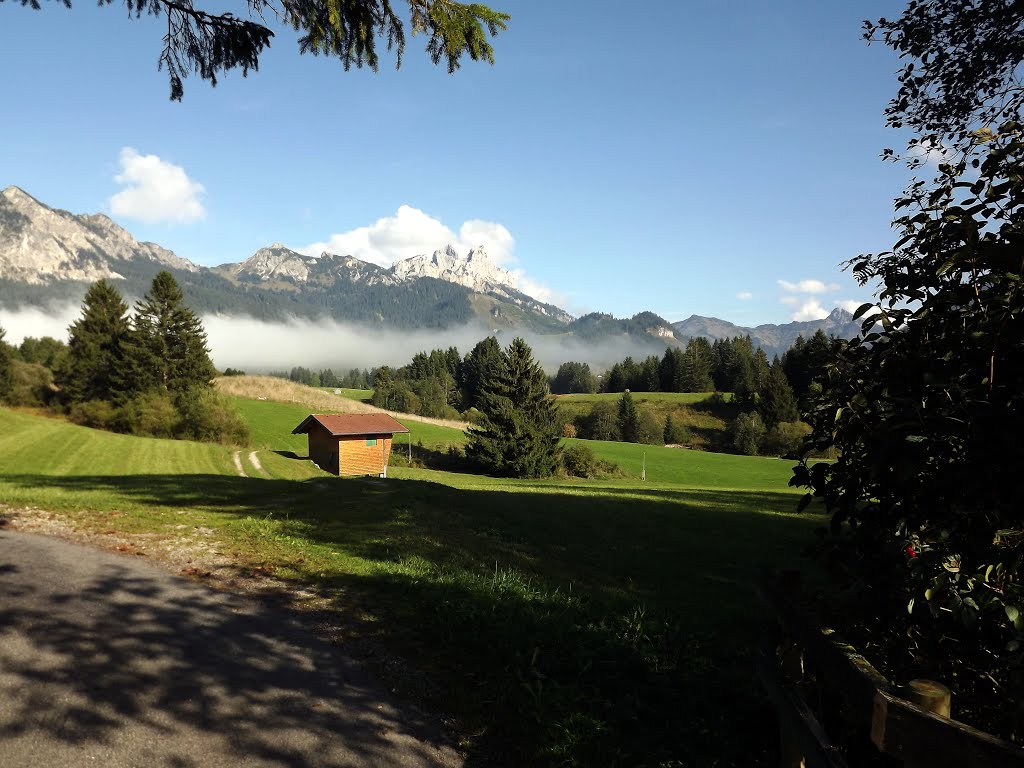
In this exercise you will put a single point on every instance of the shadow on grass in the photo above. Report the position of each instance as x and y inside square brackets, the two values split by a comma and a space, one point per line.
[564, 627]
[110, 660]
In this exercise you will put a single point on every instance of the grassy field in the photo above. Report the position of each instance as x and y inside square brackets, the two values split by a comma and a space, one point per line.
[362, 395]
[558, 622]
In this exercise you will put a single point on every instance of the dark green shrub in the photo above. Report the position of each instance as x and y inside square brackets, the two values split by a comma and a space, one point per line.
[650, 429]
[148, 415]
[31, 385]
[208, 416]
[579, 461]
[786, 439]
[675, 433]
[98, 414]
[602, 423]
[747, 433]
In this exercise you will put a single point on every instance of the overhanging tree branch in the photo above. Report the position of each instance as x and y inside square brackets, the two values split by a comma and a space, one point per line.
[210, 44]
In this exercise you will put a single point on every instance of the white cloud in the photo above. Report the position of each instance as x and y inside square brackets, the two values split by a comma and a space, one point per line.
[807, 286]
[538, 290]
[411, 232]
[852, 305]
[931, 153]
[810, 310]
[155, 190]
[744, 295]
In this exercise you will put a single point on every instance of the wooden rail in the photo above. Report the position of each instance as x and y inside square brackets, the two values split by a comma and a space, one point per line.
[896, 726]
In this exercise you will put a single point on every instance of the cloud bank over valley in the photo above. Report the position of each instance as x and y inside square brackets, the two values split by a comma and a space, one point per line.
[257, 346]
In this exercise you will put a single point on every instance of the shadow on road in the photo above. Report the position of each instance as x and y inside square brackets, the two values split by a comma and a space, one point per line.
[115, 663]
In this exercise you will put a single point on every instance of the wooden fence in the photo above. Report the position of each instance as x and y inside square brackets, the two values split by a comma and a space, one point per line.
[872, 711]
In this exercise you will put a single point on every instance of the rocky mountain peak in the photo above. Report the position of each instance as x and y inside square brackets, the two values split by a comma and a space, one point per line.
[275, 262]
[15, 194]
[475, 271]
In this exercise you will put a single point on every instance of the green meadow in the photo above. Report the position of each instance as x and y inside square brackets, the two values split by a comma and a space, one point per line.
[362, 395]
[558, 622]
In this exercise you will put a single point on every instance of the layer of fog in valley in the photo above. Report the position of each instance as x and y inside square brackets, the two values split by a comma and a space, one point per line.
[257, 346]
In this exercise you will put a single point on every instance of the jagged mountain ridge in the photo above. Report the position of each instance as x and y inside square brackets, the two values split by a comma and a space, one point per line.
[476, 271]
[773, 339]
[49, 255]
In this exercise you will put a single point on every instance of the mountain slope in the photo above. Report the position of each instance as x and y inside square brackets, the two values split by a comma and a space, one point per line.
[39, 244]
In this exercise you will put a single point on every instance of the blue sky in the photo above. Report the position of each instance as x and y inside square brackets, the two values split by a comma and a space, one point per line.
[693, 157]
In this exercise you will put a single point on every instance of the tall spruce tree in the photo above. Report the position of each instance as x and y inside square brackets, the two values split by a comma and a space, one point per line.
[167, 346]
[6, 374]
[519, 431]
[777, 403]
[480, 365]
[94, 366]
[629, 419]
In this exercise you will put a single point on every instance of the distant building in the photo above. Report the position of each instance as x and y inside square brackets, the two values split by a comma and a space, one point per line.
[350, 444]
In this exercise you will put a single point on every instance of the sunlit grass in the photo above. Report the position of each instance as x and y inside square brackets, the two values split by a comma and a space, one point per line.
[559, 620]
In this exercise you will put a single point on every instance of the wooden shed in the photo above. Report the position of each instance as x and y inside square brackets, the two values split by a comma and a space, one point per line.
[350, 444]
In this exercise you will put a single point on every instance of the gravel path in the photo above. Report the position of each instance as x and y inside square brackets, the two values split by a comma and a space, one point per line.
[255, 461]
[237, 458]
[107, 659]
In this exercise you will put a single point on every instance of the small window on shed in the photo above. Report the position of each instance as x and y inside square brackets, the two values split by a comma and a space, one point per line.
[371, 441]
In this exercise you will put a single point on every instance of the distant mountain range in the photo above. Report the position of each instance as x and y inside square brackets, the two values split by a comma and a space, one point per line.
[50, 256]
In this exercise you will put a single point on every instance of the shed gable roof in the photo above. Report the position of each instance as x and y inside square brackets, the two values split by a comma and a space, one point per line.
[351, 424]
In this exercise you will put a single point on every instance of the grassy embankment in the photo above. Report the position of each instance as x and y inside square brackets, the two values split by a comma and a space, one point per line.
[561, 622]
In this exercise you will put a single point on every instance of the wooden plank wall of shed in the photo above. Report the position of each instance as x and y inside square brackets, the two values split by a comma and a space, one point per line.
[323, 449]
[358, 458]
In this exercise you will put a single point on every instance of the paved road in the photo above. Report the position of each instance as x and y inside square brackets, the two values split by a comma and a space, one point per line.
[106, 660]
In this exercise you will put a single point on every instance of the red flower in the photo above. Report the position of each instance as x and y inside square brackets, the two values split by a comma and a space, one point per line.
[909, 549]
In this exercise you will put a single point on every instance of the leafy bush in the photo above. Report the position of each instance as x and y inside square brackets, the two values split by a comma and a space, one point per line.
[31, 384]
[208, 416]
[747, 433]
[149, 415]
[98, 414]
[602, 423]
[650, 429]
[675, 433]
[786, 439]
[579, 461]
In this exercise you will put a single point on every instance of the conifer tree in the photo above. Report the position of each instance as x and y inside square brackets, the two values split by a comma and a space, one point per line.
[694, 371]
[480, 364]
[777, 403]
[93, 368]
[629, 419]
[674, 433]
[519, 431]
[167, 347]
[6, 374]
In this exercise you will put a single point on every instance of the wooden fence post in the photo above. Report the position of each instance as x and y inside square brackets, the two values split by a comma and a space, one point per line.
[930, 696]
